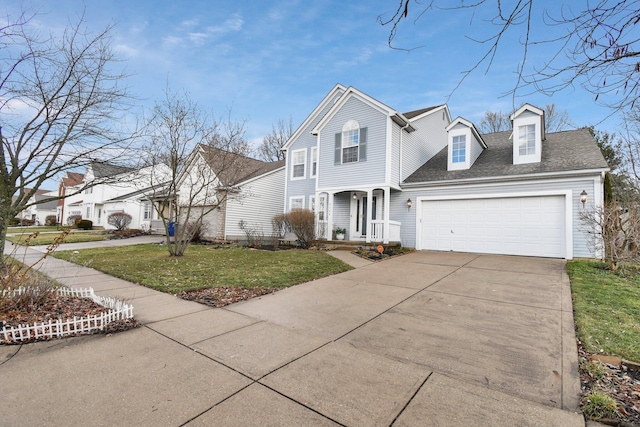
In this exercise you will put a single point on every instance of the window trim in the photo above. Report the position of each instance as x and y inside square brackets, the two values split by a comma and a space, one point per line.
[292, 198]
[462, 148]
[304, 164]
[528, 142]
[314, 162]
[460, 165]
[350, 127]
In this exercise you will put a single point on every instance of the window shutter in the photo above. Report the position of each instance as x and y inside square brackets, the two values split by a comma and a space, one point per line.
[338, 154]
[363, 145]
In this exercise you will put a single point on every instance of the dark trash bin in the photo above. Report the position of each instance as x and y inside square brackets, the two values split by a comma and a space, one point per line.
[171, 229]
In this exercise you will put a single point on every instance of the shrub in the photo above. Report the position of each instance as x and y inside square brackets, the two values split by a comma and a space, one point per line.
[302, 223]
[13, 222]
[85, 224]
[279, 227]
[255, 236]
[119, 220]
[51, 220]
[197, 230]
[73, 220]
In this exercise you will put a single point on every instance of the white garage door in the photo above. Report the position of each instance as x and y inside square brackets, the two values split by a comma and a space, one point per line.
[533, 226]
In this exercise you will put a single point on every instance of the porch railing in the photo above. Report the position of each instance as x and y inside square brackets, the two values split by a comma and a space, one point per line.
[377, 231]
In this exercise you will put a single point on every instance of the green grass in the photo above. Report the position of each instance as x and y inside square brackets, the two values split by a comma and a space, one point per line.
[206, 267]
[28, 230]
[607, 308]
[47, 238]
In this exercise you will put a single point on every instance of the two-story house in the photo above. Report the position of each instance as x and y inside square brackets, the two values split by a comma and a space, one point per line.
[430, 182]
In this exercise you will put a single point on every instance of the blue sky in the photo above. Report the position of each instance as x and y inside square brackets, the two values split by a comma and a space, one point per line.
[271, 60]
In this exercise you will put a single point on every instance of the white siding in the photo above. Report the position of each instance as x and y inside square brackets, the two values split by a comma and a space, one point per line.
[476, 149]
[354, 174]
[261, 201]
[429, 139]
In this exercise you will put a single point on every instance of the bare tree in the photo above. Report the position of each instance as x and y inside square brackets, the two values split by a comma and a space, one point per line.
[494, 122]
[614, 232]
[206, 159]
[594, 45]
[555, 120]
[271, 148]
[59, 101]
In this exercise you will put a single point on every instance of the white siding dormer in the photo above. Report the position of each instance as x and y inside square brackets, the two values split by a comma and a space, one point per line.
[528, 133]
[464, 144]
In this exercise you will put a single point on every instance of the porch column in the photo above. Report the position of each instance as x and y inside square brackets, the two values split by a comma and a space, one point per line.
[329, 231]
[387, 206]
[369, 215]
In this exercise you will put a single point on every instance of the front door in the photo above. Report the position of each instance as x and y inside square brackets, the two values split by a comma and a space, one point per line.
[358, 217]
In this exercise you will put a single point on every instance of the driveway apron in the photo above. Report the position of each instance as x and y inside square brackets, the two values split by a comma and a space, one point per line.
[428, 338]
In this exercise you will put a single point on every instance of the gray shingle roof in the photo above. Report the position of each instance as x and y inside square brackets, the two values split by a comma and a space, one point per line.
[411, 114]
[234, 168]
[107, 170]
[573, 150]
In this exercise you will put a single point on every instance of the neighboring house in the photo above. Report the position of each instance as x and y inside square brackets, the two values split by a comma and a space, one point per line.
[43, 204]
[111, 188]
[231, 188]
[430, 182]
[69, 195]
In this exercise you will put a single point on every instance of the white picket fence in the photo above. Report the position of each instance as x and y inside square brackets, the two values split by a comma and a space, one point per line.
[119, 310]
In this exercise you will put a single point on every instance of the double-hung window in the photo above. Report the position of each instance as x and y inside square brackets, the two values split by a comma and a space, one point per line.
[350, 141]
[147, 211]
[527, 140]
[298, 161]
[459, 149]
[296, 203]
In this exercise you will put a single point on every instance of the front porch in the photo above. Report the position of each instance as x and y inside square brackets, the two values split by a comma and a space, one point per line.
[364, 214]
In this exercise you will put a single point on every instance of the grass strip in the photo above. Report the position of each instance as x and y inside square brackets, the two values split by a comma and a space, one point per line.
[207, 266]
[606, 307]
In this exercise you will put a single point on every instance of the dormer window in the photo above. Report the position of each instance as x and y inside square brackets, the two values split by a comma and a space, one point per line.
[528, 134]
[464, 144]
[527, 140]
[350, 141]
[459, 149]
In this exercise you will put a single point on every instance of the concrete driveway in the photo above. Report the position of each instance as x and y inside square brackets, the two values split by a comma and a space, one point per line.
[424, 339]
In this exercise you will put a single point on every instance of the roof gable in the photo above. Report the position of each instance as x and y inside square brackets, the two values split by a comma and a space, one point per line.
[352, 92]
[337, 89]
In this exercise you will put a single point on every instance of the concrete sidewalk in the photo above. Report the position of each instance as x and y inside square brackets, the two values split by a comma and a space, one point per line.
[423, 339]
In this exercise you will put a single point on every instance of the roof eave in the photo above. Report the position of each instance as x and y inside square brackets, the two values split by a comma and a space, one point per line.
[505, 178]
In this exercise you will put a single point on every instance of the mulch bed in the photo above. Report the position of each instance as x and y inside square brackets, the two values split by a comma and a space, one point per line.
[619, 382]
[55, 307]
[221, 296]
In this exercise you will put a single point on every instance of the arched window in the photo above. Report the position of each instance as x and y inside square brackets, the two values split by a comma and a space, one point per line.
[350, 141]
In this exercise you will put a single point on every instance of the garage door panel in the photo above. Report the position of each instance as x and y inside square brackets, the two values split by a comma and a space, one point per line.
[514, 225]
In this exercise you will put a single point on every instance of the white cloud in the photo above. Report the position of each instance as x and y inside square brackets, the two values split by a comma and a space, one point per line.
[232, 24]
[125, 50]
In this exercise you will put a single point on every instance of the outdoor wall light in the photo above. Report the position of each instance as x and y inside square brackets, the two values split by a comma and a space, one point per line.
[583, 197]
[409, 203]
[354, 196]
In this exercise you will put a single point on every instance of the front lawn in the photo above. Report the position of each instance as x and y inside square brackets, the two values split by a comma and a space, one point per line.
[207, 266]
[48, 238]
[607, 308]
